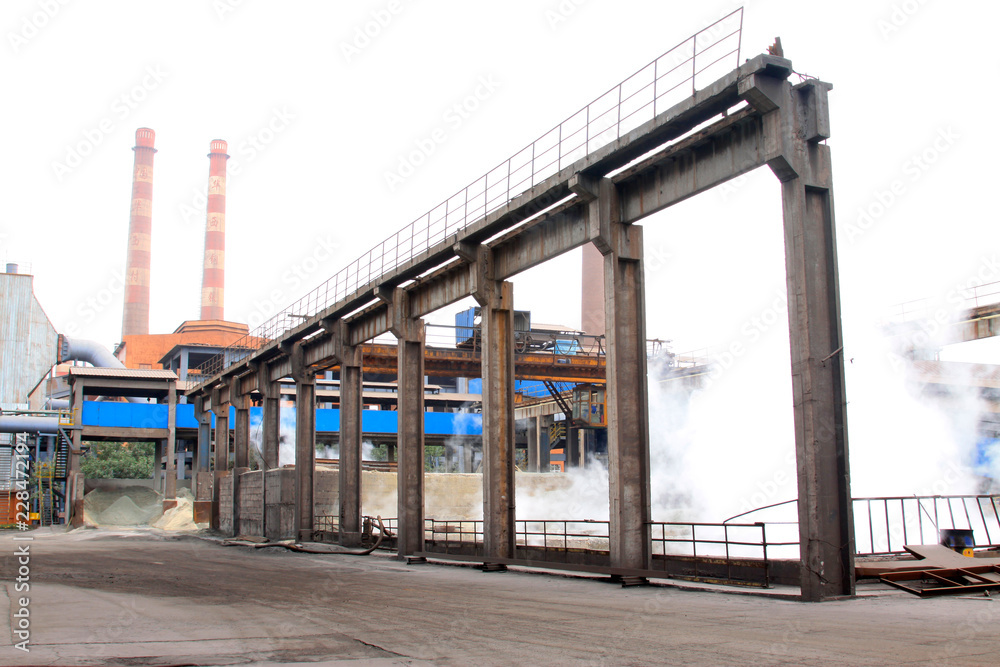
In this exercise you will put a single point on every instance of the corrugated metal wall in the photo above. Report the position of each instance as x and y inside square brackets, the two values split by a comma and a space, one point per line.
[27, 341]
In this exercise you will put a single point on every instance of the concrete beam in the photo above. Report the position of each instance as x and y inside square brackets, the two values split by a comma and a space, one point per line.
[725, 150]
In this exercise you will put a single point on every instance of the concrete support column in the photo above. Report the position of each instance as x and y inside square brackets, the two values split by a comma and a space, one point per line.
[532, 434]
[305, 444]
[170, 475]
[410, 334]
[271, 421]
[544, 447]
[496, 299]
[826, 533]
[201, 452]
[158, 447]
[351, 405]
[798, 121]
[628, 419]
[241, 436]
[221, 462]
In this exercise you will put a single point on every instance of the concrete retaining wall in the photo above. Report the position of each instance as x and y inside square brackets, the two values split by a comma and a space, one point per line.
[279, 504]
[226, 505]
[446, 496]
[251, 504]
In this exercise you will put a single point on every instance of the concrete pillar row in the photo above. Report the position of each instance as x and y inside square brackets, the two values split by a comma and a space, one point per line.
[496, 300]
[628, 412]
[351, 405]
[305, 443]
[411, 339]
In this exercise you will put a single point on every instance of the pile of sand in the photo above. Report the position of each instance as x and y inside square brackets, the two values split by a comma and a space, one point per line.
[139, 506]
[127, 506]
[180, 517]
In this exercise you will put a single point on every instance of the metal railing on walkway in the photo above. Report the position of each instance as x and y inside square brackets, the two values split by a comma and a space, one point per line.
[636, 100]
[882, 526]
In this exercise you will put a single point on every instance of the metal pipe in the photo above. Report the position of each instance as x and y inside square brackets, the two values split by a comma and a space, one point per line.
[92, 352]
[22, 424]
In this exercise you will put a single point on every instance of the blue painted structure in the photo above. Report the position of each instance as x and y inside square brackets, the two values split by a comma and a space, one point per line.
[141, 415]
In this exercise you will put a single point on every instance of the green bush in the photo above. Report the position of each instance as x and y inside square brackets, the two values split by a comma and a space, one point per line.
[118, 460]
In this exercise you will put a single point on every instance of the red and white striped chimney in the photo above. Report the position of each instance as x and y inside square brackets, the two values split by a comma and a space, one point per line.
[135, 319]
[213, 284]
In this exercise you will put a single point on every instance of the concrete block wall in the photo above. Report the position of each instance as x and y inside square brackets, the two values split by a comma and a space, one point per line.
[267, 500]
[279, 504]
[226, 505]
[251, 504]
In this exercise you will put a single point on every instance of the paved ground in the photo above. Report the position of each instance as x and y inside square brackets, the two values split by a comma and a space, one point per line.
[101, 597]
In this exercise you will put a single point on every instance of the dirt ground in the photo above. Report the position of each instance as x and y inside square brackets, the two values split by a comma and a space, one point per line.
[145, 597]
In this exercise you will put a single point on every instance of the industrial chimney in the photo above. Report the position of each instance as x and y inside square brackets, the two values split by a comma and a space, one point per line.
[213, 283]
[135, 319]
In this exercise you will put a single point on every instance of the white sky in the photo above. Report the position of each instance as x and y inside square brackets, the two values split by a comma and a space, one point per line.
[229, 69]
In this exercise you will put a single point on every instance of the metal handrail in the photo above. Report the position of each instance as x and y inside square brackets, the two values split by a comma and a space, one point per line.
[509, 179]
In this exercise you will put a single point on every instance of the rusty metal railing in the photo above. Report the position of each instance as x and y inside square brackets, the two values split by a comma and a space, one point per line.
[623, 108]
[884, 525]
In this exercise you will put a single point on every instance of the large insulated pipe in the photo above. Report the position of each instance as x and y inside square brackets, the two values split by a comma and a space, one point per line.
[135, 319]
[24, 424]
[213, 283]
[92, 352]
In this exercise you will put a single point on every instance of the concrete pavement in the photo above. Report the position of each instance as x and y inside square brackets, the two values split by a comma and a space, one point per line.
[104, 597]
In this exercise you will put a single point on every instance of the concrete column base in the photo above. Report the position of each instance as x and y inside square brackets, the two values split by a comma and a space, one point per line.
[350, 539]
[169, 503]
[203, 511]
